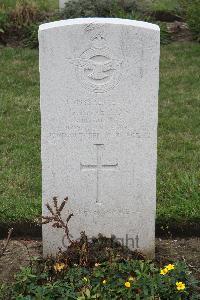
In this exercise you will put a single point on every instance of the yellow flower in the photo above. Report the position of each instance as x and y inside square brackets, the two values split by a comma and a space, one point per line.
[131, 278]
[104, 281]
[127, 284]
[163, 271]
[180, 286]
[85, 279]
[170, 267]
[58, 267]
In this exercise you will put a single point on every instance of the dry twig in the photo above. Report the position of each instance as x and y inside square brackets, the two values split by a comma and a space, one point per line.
[7, 242]
[56, 217]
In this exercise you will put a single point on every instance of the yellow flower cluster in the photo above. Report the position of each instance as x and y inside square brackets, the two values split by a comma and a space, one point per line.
[58, 267]
[127, 283]
[166, 269]
[180, 286]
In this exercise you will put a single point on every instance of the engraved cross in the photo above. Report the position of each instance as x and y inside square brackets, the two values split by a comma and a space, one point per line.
[98, 167]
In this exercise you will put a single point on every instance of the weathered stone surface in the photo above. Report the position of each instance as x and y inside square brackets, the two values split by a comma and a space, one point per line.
[62, 3]
[99, 90]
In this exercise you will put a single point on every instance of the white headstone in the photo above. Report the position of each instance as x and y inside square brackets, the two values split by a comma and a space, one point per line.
[99, 90]
[62, 3]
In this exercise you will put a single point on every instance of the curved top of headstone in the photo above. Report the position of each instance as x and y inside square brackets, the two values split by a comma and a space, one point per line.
[114, 21]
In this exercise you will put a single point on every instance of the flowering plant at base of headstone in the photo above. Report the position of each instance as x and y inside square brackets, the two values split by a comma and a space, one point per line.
[99, 269]
[128, 279]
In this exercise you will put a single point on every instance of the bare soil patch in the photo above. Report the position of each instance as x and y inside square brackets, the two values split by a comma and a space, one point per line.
[18, 254]
[179, 31]
[186, 249]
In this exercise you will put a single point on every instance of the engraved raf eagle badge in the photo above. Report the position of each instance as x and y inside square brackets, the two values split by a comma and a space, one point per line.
[96, 68]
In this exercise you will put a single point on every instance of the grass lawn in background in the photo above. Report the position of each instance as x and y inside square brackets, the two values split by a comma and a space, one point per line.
[171, 6]
[164, 5]
[20, 171]
[43, 4]
[178, 180]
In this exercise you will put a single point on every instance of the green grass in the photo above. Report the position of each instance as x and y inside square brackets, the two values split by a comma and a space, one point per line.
[164, 5]
[20, 169]
[172, 6]
[178, 187]
[179, 134]
[42, 4]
